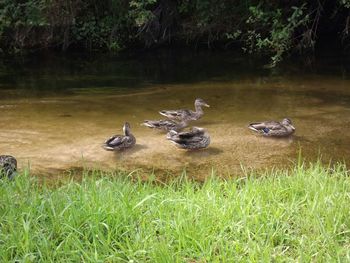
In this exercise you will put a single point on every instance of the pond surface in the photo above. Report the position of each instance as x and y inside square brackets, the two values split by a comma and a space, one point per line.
[55, 112]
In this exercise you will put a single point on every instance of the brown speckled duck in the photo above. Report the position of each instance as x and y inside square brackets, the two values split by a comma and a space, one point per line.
[8, 166]
[197, 138]
[120, 142]
[273, 128]
[186, 115]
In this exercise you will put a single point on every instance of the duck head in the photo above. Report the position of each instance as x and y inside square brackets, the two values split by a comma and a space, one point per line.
[200, 102]
[288, 122]
[126, 128]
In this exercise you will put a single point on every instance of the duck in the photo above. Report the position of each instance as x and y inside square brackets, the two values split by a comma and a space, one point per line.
[196, 138]
[8, 166]
[186, 115]
[166, 125]
[120, 142]
[273, 128]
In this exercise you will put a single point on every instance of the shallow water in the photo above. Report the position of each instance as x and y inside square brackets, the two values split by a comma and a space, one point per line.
[56, 112]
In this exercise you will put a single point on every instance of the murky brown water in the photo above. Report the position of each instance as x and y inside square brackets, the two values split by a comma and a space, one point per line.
[65, 127]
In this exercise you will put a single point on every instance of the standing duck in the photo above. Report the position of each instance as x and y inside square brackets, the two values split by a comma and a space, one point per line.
[273, 128]
[197, 138]
[120, 142]
[186, 115]
[8, 166]
[166, 125]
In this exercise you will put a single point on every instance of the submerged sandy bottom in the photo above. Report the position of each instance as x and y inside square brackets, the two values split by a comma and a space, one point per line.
[67, 132]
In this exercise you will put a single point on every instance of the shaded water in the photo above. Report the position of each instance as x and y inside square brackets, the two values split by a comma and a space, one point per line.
[56, 111]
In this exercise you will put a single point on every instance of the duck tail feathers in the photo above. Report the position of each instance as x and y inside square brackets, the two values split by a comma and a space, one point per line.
[149, 124]
[252, 128]
[256, 126]
[108, 148]
[164, 113]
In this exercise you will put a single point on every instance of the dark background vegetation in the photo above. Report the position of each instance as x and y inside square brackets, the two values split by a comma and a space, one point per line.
[273, 28]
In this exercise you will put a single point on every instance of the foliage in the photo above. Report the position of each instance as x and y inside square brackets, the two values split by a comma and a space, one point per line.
[140, 11]
[345, 3]
[300, 214]
[20, 15]
[275, 28]
[280, 38]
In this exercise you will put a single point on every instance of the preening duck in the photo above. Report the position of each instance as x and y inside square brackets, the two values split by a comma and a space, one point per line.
[186, 115]
[273, 128]
[8, 166]
[120, 142]
[197, 138]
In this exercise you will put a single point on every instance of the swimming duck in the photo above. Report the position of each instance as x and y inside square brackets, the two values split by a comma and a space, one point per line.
[166, 125]
[8, 166]
[186, 115]
[197, 138]
[120, 142]
[273, 128]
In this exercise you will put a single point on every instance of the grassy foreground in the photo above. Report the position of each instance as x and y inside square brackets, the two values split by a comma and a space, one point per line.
[297, 215]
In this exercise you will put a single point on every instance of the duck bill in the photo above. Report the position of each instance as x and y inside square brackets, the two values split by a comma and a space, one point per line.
[292, 127]
[207, 105]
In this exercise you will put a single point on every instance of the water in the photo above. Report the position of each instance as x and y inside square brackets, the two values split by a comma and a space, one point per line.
[56, 111]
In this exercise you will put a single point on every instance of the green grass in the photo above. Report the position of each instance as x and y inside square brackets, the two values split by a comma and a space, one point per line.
[300, 215]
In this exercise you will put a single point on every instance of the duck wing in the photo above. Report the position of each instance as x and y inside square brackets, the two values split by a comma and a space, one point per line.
[161, 124]
[271, 128]
[116, 140]
[277, 131]
[260, 126]
[176, 114]
[194, 142]
[190, 134]
[8, 159]
[186, 137]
